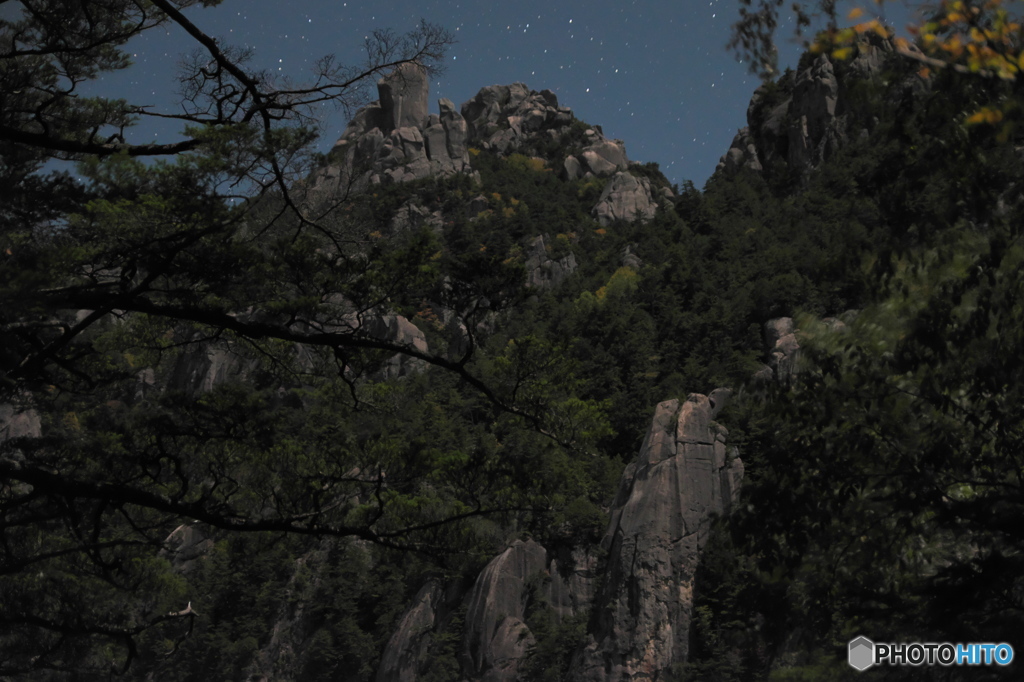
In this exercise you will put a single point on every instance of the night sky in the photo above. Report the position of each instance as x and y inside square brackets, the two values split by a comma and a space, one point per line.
[653, 73]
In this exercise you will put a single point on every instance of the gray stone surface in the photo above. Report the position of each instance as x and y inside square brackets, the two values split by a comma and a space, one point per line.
[503, 117]
[185, 546]
[807, 128]
[661, 518]
[604, 157]
[396, 329]
[742, 154]
[406, 649]
[543, 271]
[783, 349]
[814, 132]
[777, 328]
[625, 197]
[571, 169]
[495, 612]
[18, 422]
[394, 139]
[630, 259]
[403, 97]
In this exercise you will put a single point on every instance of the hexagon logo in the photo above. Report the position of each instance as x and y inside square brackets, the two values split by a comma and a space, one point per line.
[862, 653]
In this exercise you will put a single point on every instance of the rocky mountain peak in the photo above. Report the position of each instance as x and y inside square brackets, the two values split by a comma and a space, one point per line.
[803, 119]
[396, 139]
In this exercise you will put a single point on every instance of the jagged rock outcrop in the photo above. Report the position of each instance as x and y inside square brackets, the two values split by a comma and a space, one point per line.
[403, 97]
[661, 518]
[543, 271]
[600, 157]
[815, 131]
[497, 637]
[742, 154]
[408, 647]
[812, 122]
[395, 139]
[205, 367]
[502, 117]
[783, 347]
[412, 216]
[630, 259]
[604, 157]
[625, 197]
[400, 330]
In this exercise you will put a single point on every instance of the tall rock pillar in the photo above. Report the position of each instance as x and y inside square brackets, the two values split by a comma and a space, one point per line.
[660, 521]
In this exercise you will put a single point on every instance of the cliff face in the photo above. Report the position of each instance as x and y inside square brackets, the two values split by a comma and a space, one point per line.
[682, 478]
[800, 122]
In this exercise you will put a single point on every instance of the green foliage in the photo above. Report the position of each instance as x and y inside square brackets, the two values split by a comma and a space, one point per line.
[557, 637]
[207, 355]
[883, 478]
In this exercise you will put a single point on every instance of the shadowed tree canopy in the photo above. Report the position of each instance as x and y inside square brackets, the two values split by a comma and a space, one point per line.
[207, 251]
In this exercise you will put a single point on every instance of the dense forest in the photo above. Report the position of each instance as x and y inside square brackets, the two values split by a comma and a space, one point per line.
[262, 407]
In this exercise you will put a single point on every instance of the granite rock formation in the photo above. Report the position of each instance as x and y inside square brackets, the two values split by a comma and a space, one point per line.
[403, 97]
[543, 271]
[813, 121]
[395, 139]
[683, 477]
[625, 197]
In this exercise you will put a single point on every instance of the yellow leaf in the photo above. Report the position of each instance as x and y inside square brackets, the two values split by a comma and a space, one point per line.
[985, 115]
[855, 13]
[842, 53]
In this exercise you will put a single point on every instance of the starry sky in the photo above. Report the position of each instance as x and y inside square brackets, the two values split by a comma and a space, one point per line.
[653, 73]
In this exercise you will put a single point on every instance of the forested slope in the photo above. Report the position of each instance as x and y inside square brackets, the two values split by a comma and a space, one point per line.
[394, 420]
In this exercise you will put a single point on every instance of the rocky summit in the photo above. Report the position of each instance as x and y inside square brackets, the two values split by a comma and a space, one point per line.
[395, 139]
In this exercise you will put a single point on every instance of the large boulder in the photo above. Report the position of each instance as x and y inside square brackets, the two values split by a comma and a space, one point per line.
[605, 157]
[497, 637]
[18, 422]
[398, 330]
[625, 197]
